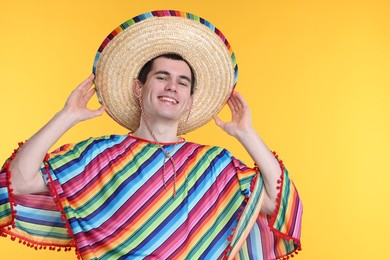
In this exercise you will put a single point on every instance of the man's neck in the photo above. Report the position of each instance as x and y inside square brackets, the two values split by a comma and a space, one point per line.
[162, 132]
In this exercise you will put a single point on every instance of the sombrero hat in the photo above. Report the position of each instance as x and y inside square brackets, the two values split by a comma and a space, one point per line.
[126, 49]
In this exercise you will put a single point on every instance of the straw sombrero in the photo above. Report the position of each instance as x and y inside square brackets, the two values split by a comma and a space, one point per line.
[126, 49]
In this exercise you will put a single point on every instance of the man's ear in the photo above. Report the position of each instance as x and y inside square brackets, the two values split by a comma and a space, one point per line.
[189, 105]
[137, 85]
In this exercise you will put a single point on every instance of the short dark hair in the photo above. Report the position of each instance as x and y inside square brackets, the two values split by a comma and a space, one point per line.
[143, 74]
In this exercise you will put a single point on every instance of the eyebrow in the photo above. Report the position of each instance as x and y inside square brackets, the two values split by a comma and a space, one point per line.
[168, 74]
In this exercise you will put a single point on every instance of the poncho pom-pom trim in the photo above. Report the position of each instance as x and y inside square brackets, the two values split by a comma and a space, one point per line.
[56, 199]
[11, 224]
[239, 214]
[279, 186]
[272, 218]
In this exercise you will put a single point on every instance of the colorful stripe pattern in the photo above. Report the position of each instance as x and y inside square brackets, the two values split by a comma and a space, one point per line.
[165, 13]
[33, 219]
[111, 191]
[279, 236]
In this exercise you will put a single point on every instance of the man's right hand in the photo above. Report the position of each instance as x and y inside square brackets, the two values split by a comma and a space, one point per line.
[76, 105]
[25, 166]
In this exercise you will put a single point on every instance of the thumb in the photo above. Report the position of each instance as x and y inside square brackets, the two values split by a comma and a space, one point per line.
[99, 112]
[101, 109]
[95, 113]
[218, 121]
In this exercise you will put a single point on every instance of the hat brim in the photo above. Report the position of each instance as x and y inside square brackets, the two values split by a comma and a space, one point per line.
[125, 51]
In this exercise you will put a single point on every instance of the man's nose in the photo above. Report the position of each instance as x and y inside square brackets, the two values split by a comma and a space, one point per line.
[171, 86]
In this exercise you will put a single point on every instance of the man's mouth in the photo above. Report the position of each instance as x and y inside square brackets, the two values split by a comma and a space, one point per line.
[168, 99]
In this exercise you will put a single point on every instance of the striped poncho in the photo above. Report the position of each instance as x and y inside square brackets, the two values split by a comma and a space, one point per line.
[109, 200]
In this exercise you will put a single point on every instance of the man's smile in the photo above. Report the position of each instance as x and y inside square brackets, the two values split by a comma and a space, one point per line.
[168, 99]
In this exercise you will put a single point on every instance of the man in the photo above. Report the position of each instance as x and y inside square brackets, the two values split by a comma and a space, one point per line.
[151, 194]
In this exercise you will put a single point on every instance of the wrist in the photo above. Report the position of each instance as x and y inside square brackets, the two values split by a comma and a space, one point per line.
[66, 118]
[247, 135]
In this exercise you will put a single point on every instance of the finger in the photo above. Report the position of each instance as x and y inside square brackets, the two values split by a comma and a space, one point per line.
[99, 111]
[231, 105]
[235, 101]
[218, 121]
[87, 83]
[88, 114]
[89, 95]
[102, 108]
[241, 100]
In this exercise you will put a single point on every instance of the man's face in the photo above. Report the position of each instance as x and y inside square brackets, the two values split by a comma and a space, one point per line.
[166, 92]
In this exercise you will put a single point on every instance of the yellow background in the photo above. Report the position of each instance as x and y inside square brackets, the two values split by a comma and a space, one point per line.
[315, 74]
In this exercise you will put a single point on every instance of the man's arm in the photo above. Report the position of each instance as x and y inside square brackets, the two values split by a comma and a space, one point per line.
[25, 166]
[241, 128]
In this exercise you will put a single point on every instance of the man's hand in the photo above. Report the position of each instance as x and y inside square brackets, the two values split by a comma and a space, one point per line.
[24, 167]
[76, 105]
[241, 128]
[241, 117]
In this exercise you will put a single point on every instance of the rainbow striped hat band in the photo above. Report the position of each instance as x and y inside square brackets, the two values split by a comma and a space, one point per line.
[127, 48]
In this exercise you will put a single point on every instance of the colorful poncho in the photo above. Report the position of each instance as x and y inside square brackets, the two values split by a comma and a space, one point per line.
[108, 199]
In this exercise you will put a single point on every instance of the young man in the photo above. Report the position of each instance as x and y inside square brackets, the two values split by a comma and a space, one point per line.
[151, 194]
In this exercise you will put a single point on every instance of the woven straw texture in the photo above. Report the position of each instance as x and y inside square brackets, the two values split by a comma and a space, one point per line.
[124, 52]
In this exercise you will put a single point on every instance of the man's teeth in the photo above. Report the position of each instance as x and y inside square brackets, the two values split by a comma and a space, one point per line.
[168, 99]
